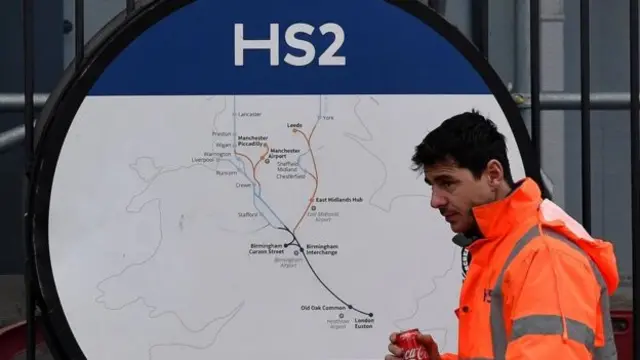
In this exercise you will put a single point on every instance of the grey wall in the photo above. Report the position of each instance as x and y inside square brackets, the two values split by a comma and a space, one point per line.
[561, 140]
[48, 31]
[97, 13]
[509, 55]
[610, 162]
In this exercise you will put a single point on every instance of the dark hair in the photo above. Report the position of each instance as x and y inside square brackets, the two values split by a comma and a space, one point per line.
[469, 140]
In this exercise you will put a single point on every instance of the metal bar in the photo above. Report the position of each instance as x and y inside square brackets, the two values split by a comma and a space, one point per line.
[522, 58]
[439, 6]
[480, 25]
[585, 112]
[16, 102]
[131, 5]
[572, 101]
[548, 101]
[29, 274]
[79, 33]
[10, 138]
[10, 102]
[634, 89]
[534, 43]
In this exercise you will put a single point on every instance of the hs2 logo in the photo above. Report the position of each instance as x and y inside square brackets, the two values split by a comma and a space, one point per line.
[293, 40]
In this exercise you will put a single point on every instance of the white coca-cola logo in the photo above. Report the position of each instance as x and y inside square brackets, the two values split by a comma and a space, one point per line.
[418, 353]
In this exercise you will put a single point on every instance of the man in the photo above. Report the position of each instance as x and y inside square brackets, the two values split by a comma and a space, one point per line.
[538, 285]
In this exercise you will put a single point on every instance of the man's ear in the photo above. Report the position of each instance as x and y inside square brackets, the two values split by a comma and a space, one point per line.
[495, 172]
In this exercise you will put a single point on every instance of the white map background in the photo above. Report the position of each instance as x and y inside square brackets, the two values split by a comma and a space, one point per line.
[151, 260]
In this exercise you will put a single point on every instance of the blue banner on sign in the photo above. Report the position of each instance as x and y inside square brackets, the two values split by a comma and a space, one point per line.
[290, 47]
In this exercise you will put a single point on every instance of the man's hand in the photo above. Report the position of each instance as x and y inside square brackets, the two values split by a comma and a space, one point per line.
[424, 340]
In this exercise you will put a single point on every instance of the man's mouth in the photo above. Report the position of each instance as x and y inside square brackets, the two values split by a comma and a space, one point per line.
[449, 216]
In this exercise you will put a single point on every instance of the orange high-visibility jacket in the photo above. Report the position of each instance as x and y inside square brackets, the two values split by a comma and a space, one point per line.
[538, 285]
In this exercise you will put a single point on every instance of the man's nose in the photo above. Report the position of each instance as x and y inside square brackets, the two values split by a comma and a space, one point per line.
[437, 200]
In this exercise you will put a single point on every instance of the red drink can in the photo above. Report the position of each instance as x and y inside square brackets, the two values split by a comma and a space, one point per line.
[407, 341]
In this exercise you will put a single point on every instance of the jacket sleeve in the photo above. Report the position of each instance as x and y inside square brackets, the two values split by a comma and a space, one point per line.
[551, 299]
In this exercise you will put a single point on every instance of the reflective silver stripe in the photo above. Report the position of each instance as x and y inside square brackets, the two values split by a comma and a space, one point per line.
[608, 351]
[498, 330]
[552, 325]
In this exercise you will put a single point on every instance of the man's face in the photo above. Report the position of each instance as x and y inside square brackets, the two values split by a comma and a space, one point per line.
[454, 192]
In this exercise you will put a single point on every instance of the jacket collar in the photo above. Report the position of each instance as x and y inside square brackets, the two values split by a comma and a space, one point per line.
[498, 218]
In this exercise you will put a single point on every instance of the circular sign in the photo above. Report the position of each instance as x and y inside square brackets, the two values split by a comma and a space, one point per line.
[232, 179]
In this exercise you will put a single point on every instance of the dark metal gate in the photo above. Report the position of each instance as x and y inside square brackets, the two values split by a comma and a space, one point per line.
[536, 102]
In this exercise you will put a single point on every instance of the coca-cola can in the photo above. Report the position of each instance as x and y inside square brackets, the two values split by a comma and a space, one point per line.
[408, 341]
